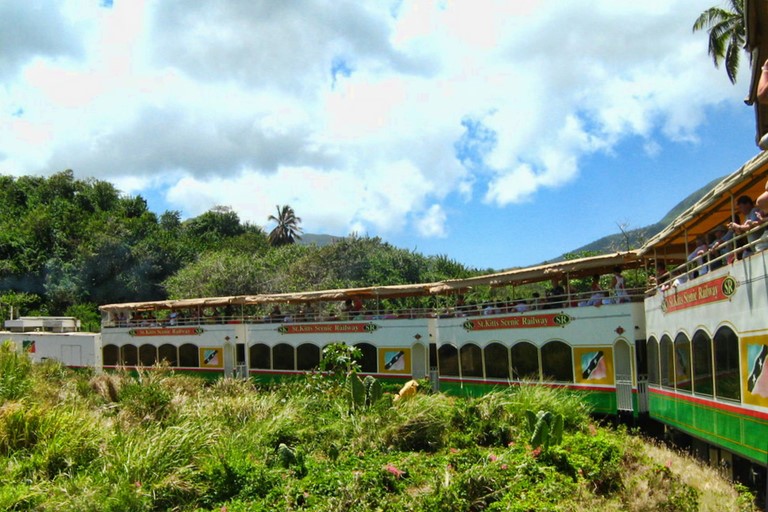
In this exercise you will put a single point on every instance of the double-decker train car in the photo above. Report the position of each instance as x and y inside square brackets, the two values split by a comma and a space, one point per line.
[582, 341]
[707, 324]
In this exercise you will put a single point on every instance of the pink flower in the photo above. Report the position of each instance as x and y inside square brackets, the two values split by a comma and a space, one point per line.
[536, 452]
[492, 458]
[137, 484]
[503, 466]
[669, 463]
[454, 450]
[223, 508]
[398, 473]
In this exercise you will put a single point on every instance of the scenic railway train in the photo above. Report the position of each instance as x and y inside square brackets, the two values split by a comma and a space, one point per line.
[687, 349]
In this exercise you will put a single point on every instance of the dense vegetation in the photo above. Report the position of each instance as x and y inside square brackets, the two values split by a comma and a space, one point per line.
[67, 245]
[155, 441]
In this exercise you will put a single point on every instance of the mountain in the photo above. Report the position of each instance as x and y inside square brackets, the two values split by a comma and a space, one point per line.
[634, 238]
[319, 240]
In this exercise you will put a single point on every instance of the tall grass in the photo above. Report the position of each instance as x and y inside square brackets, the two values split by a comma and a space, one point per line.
[154, 441]
[15, 368]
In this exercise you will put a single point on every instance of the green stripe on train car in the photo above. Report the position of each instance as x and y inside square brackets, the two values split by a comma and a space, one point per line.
[741, 434]
[602, 402]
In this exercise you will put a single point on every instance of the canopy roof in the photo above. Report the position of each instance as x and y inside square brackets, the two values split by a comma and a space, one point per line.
[564, 269]
[568, 269]
[716, 208]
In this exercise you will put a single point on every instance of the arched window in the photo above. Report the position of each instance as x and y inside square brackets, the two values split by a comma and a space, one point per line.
[283, 357]
[557, 361]
[147, 355]
[666, 353]
[653, 361]
[110, 355]
[682, 362]
[702, 364]
[471, 361]
[448, 360]
[727, 383]
[189, 356]
[168, 354]
[129, 355]
[307, 356]
[369, 361]
[259, 356]
[525, 361]
[496, 358]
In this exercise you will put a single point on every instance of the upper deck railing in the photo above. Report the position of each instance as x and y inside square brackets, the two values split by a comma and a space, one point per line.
[241, 315]
[700, 264]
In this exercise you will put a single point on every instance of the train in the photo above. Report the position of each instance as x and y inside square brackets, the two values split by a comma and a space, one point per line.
[686, 350]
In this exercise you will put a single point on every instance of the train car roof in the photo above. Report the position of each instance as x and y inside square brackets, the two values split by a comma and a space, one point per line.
[574, 268]
[715, 209]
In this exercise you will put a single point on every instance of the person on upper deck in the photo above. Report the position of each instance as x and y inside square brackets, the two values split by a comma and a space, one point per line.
[754, 218]
[762, 203]
[597, 295]
[556, 295]
[619, 286]
[698, 258]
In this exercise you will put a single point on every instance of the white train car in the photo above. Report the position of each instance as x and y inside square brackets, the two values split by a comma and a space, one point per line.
[58, 338]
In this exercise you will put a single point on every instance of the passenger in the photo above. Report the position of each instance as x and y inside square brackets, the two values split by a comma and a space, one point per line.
[535, 301]
[754, 218]
[762, 203]
[698, 258]
[618, 286]
[520, 306]
[556, 295]
[275, 316]
[719, 247]
[596, 299]
[346, 309]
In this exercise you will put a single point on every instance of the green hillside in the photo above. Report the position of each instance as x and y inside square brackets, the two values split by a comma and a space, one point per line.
[634, 238]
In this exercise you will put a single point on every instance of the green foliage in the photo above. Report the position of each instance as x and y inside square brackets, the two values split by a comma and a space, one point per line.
[77, 444]
[727, 35]
[15, 368]
[341, 360]
[364, 393]
[546, 429]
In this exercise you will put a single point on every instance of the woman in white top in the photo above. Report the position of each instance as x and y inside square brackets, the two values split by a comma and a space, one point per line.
[618, 286]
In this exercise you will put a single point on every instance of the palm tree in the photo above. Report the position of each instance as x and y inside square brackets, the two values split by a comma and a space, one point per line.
[727, 35]
[287, 230]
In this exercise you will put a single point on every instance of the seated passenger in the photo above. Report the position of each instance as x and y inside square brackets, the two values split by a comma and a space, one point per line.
[596, 299]
[275, 316]
[556, 295]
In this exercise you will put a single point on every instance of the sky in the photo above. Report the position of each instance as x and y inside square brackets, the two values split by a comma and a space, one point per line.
[498, 133]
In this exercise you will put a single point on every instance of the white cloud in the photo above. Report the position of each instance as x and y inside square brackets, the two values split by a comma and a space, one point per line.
[235, 102]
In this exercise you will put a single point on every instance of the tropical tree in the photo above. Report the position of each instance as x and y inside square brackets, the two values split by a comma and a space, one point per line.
[727, 35]
[287, 230]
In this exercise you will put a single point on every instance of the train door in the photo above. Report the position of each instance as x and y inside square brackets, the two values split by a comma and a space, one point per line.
[71, 355]
[622, 354]
[419, 363]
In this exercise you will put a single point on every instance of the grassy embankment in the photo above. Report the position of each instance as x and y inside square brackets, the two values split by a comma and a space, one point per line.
[82, 442]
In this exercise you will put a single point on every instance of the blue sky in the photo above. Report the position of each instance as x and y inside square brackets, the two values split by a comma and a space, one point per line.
[500, 134]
